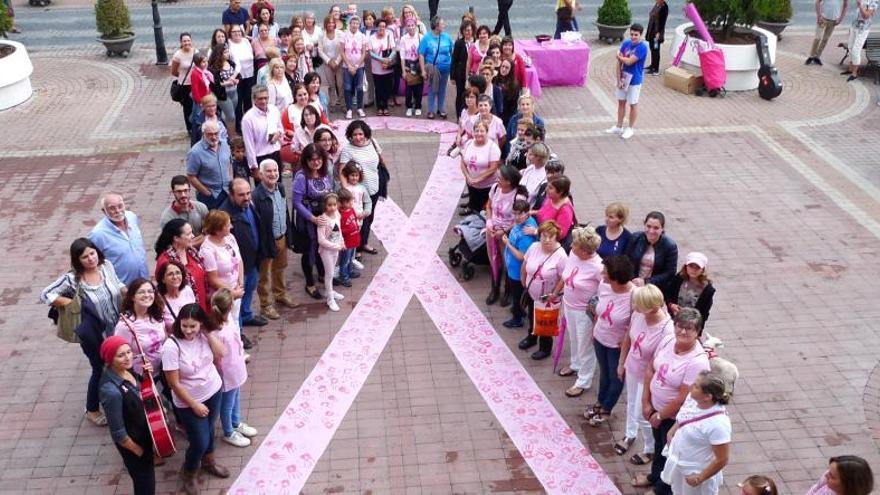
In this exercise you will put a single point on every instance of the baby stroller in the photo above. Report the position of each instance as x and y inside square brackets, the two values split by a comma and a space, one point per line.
[471, 248]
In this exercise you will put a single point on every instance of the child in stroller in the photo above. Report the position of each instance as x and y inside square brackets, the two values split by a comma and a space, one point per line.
[471, 247]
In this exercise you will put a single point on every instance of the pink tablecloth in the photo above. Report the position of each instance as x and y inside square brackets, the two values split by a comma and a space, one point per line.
[557, 62]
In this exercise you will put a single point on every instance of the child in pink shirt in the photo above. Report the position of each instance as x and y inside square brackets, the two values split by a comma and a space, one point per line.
[330, 243]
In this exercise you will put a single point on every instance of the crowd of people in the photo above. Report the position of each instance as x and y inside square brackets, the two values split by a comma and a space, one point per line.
[259, 109]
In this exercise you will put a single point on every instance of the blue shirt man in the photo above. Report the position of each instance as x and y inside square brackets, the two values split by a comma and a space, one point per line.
[209, 167]
[118, 236]
[630, 68]
[235, 16]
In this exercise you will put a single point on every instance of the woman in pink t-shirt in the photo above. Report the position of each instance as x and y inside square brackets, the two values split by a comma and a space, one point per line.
[579, 283]
[678, 361]
[383, 55]
[232, 369]
[173, 286]
[499, 220]
[846, 475]
[557, 205]
[354, 51]
[494, 124]
[466, 121]
[221, 257]
[649, 324]
[479, 162]
[142, 315]
[188, 357]
[542, 266]
[611, 312]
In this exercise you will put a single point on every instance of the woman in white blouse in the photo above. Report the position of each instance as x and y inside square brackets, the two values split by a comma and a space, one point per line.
[331, 55]
[279, 91]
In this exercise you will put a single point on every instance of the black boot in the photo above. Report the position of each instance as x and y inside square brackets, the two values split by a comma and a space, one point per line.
[527, 342]
[544, 348]
[493, 294]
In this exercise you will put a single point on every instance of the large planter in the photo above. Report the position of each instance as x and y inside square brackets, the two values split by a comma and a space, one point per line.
[741, 61]
[118, 46]
[15, 76]
[774, 27]
[610, 34]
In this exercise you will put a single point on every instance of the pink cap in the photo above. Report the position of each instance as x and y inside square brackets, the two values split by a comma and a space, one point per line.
[698, 259]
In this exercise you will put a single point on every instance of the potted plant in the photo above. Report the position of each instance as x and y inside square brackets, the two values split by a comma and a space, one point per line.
[114, 23]
[5, 20]
[731, 23]
[773, 15]
[613, 19]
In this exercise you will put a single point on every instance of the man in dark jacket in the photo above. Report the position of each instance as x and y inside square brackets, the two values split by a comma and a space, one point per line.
[270, 202]
[653, 254]
[254, 242]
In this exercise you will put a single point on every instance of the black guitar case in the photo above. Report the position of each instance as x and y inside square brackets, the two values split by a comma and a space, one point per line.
[769, 84]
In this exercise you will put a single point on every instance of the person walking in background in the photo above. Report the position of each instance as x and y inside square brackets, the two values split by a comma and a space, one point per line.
[503, 17]
[654, 36]
[829, 14]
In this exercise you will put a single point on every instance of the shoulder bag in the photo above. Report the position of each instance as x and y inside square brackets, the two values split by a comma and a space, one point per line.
[69, 317]
[179, 91]
[525, 299]
[384, 174]
[297, 232]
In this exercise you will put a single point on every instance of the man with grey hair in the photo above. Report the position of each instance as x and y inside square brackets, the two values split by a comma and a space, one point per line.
[118, 235]
[261, 130]
[209, 166]
[270, 201]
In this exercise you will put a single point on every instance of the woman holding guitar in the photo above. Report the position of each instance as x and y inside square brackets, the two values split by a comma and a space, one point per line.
[188, 357]
[121, 398]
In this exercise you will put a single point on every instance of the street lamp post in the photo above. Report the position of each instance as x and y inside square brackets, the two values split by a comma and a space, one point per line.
[161, 54]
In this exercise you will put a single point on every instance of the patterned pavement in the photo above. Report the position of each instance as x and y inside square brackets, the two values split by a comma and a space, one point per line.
[782, 196]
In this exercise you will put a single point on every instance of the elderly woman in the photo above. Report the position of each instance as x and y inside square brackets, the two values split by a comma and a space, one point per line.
[526, 110]
[542, 266]
[435, 60]
[311, 35]
[172, 284]
[615, 237]
[330, 52]
[188, 358]
[363, 149]
[310, 184]
[181, 69]
[383, 55]
[579, 283]
[677, 363]
[208, 113]
[121, 398]
[224, 267]
[479, 163]
[460, 61]
[699, 445]
[408, 47]
[654, 255]
[611, 312]
[648, 325]
[691, 287]
[499, 220]
[175, 243]
[95, 280]
[354, 46]
[142, 318]
[846, 475]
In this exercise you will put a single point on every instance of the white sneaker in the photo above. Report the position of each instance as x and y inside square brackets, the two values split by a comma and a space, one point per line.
[614, 130]
[337, 296]
[348, 114]
[418, 112]
[237, 439]
[331, 303]
[627, 133]
[361, 112]
[248, 431]
[409, 112]
[357, 264]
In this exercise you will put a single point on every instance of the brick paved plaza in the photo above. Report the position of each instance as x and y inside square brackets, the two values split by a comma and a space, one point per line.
[783, 197]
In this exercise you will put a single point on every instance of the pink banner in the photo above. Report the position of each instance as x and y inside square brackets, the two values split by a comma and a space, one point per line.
[287, 456]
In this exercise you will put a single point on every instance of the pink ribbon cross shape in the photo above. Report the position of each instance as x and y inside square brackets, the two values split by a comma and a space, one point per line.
[288, 455]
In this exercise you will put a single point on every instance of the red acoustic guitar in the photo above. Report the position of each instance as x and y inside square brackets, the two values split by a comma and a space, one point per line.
[163, 443]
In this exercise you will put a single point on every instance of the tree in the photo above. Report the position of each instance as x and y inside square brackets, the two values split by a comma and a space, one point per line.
[724, 15]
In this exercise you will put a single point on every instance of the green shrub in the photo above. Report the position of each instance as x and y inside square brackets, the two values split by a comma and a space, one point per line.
[724, 15]
[5, 21]
[614, 13]
[112, 19]
[773, 10]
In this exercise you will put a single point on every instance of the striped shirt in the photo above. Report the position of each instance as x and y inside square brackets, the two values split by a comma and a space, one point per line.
[367, 157]
[105, 295]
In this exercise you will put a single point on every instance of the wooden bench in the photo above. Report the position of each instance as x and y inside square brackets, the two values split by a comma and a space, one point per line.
[872, 55]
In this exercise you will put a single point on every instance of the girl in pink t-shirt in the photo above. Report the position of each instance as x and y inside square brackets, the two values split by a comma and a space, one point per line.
[188, 357]
[542, 266]
[479, 162]
[232, 370]
[330, 243]
[142, 317]
[649, 324]
[579, 283]
[499, 220]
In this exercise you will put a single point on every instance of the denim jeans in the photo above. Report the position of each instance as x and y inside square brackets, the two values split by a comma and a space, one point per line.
[354, 87]
[437, 96]
[345, 257]
[199, 431]
[230, 411]
[610, 385]
[91, 345]
[251, 280]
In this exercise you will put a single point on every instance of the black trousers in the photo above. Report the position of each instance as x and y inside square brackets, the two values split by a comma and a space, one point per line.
[383, 84]
[187, 105]
[368, 222]
[311, 258]
[414, 95]
[659, 462]
[244, 100]
[655, 56]
[477, 198]
[141, 470]
[459, 95]
[516, 290]
[432, 9]
[503, 18]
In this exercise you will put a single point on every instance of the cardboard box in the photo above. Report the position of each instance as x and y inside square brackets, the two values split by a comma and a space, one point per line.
[682, 80]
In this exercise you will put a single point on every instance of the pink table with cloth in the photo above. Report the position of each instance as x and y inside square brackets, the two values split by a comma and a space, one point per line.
[557, 62]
